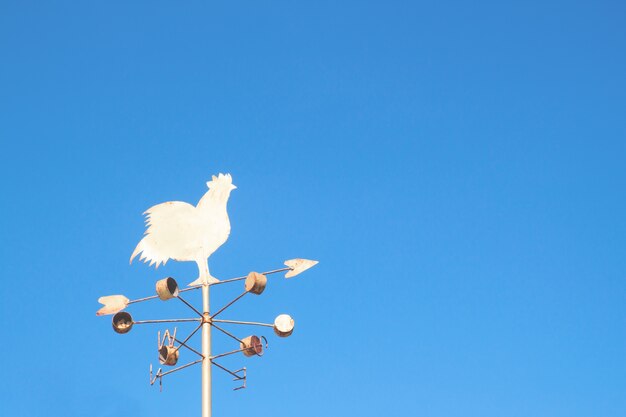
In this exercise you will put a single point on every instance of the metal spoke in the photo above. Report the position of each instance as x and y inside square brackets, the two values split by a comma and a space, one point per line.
[276, 270]
[228, 280]
[189, 337]
[142, 299]
[244, 277]
[188, 347]
[233, 373]
[190, 306]
[227, 353]
[152, 297]
[179, 368]
[195, 287]
[165, 321]
[249, 323]
[226, 333]
[230, 304]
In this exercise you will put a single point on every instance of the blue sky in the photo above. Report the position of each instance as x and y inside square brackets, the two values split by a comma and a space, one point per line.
[457, 168]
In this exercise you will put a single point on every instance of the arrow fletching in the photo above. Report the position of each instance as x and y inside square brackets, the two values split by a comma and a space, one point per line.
[112, 304]
[298, 266]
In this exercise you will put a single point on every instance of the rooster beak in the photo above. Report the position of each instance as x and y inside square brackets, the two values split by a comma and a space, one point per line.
[233, 187]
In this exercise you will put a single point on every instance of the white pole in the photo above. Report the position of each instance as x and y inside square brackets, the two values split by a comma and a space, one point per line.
[206, 351]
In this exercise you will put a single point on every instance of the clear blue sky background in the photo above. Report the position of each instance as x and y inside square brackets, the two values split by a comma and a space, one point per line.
[457, 167]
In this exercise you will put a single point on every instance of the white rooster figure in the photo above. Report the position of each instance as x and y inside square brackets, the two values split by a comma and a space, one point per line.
[180, 231]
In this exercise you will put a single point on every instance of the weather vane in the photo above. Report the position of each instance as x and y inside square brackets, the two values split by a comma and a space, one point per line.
[183, 232]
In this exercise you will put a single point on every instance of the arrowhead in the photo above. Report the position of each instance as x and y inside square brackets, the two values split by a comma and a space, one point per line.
[112, 304]
[298, 266]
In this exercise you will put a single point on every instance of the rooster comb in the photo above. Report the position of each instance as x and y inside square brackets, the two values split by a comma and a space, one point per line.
[220, 180]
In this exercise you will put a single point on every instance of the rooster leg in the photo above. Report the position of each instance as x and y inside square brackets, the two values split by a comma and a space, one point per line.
[205, 276]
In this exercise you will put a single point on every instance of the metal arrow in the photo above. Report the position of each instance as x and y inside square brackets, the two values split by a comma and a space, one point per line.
[116, 303]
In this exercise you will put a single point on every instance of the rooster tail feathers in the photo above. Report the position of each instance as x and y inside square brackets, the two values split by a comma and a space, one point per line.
[148, 254]
[136, 252]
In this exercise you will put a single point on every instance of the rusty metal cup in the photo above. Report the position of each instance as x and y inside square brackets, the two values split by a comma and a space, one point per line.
[122, 322]
[251, 346]
[167, 288]
[168, 355]
[255, 283]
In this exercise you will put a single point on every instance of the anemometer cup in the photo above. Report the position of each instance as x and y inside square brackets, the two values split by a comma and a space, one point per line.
[283, 325]
[122, 322]
[168, 355]
[167, 288]
[255, 283]
[252, 346]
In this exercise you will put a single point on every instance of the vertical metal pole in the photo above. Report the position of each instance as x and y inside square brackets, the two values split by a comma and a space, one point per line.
[206, 351]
